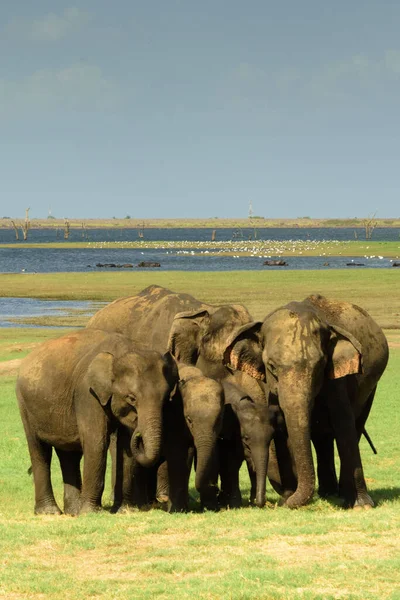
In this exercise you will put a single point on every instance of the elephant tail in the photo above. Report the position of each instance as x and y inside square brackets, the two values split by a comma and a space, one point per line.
[365, 433]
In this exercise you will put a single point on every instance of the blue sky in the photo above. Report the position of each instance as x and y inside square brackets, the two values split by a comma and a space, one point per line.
[180, 108]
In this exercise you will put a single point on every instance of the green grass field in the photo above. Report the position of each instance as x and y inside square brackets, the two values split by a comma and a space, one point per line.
[260, 291]
[318, 552]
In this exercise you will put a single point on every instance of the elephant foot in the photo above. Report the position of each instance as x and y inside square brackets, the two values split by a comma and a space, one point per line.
[122, 508]
[162, 498]
[326, 492]
[47, 509]
[226, 500]
[177, 508]
[89, 507]
[72, 505]
[72, 511]
[362, 502]
[295, 501]
[285, 495]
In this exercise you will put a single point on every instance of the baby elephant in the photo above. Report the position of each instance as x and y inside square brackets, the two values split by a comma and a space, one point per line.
[193, 423]
[72, 393]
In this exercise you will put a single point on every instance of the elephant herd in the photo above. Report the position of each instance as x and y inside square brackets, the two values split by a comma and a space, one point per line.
[163, 381]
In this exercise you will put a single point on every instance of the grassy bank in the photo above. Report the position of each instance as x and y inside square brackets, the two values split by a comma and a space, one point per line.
[377, 290]
[260, 248]
[214, 222]
[317, 552]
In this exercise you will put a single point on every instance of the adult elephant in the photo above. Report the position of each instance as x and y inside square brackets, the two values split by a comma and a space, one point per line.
[159, 319]
[193, 331]
[72, 393]
[146, 317]
[323, 359]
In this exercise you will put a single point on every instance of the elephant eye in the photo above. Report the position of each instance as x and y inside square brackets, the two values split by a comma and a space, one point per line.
[189, 420]
[131, 399]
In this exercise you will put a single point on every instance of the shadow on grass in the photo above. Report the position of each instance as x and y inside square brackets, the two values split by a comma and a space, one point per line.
[381, 495]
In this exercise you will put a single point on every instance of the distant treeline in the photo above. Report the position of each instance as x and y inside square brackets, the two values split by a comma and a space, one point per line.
[214, 223]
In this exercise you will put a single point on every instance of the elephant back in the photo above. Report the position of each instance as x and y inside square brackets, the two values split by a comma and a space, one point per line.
[146, 317]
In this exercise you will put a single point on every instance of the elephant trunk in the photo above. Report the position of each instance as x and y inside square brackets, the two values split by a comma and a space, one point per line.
[207, 472]
[261, 466]
[146, 440]
[297, 411]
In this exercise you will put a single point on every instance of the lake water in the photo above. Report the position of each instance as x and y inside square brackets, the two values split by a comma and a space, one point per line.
[7, 236]
[41, 260]
[30, 260]
[14, 308]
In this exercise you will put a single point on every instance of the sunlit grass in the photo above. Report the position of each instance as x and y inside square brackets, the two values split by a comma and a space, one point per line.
[319, 551]
[260, 291]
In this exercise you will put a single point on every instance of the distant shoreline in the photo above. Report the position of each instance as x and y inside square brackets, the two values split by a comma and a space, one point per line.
[212, 223]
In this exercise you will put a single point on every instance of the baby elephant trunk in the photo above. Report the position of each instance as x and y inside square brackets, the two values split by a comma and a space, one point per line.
[146, 440]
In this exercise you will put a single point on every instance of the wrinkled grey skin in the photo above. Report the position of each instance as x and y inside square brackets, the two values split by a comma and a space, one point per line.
[160, 319]
[322, 359]
[72, 393]
[193, 423]
[146, 317]
[193, 331]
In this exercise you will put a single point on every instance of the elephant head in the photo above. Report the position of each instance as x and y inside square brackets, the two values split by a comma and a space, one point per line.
[295, 349]
[199, 337]
[203, 405]
[132, 389]
[249, 401]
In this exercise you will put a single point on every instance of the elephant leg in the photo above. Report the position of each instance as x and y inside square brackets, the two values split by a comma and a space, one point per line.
[323, 440]
[253, 481]
[71, 474]
[352, 485]
[40, 454]
[230, 462]
[178, 460]
[162, 493]
[94, 468]
[326, 471]
[144, 486]
[123, 470]
[281, 472]
[44, 496]
[209, 491]
[362, 418]
[178, 476]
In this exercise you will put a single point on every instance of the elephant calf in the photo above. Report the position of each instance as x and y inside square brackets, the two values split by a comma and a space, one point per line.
[192, 422]
[251, 423]
[72, 393]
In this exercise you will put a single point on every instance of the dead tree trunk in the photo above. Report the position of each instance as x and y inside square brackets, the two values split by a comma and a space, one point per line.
[370, 223]
[26, 225]
[15, 229]
[66, 229]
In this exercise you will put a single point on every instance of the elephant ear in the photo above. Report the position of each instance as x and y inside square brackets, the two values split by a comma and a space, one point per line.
[100, 377]
[184, 336]
[345, 354]
[243, 350]
[171, 372]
